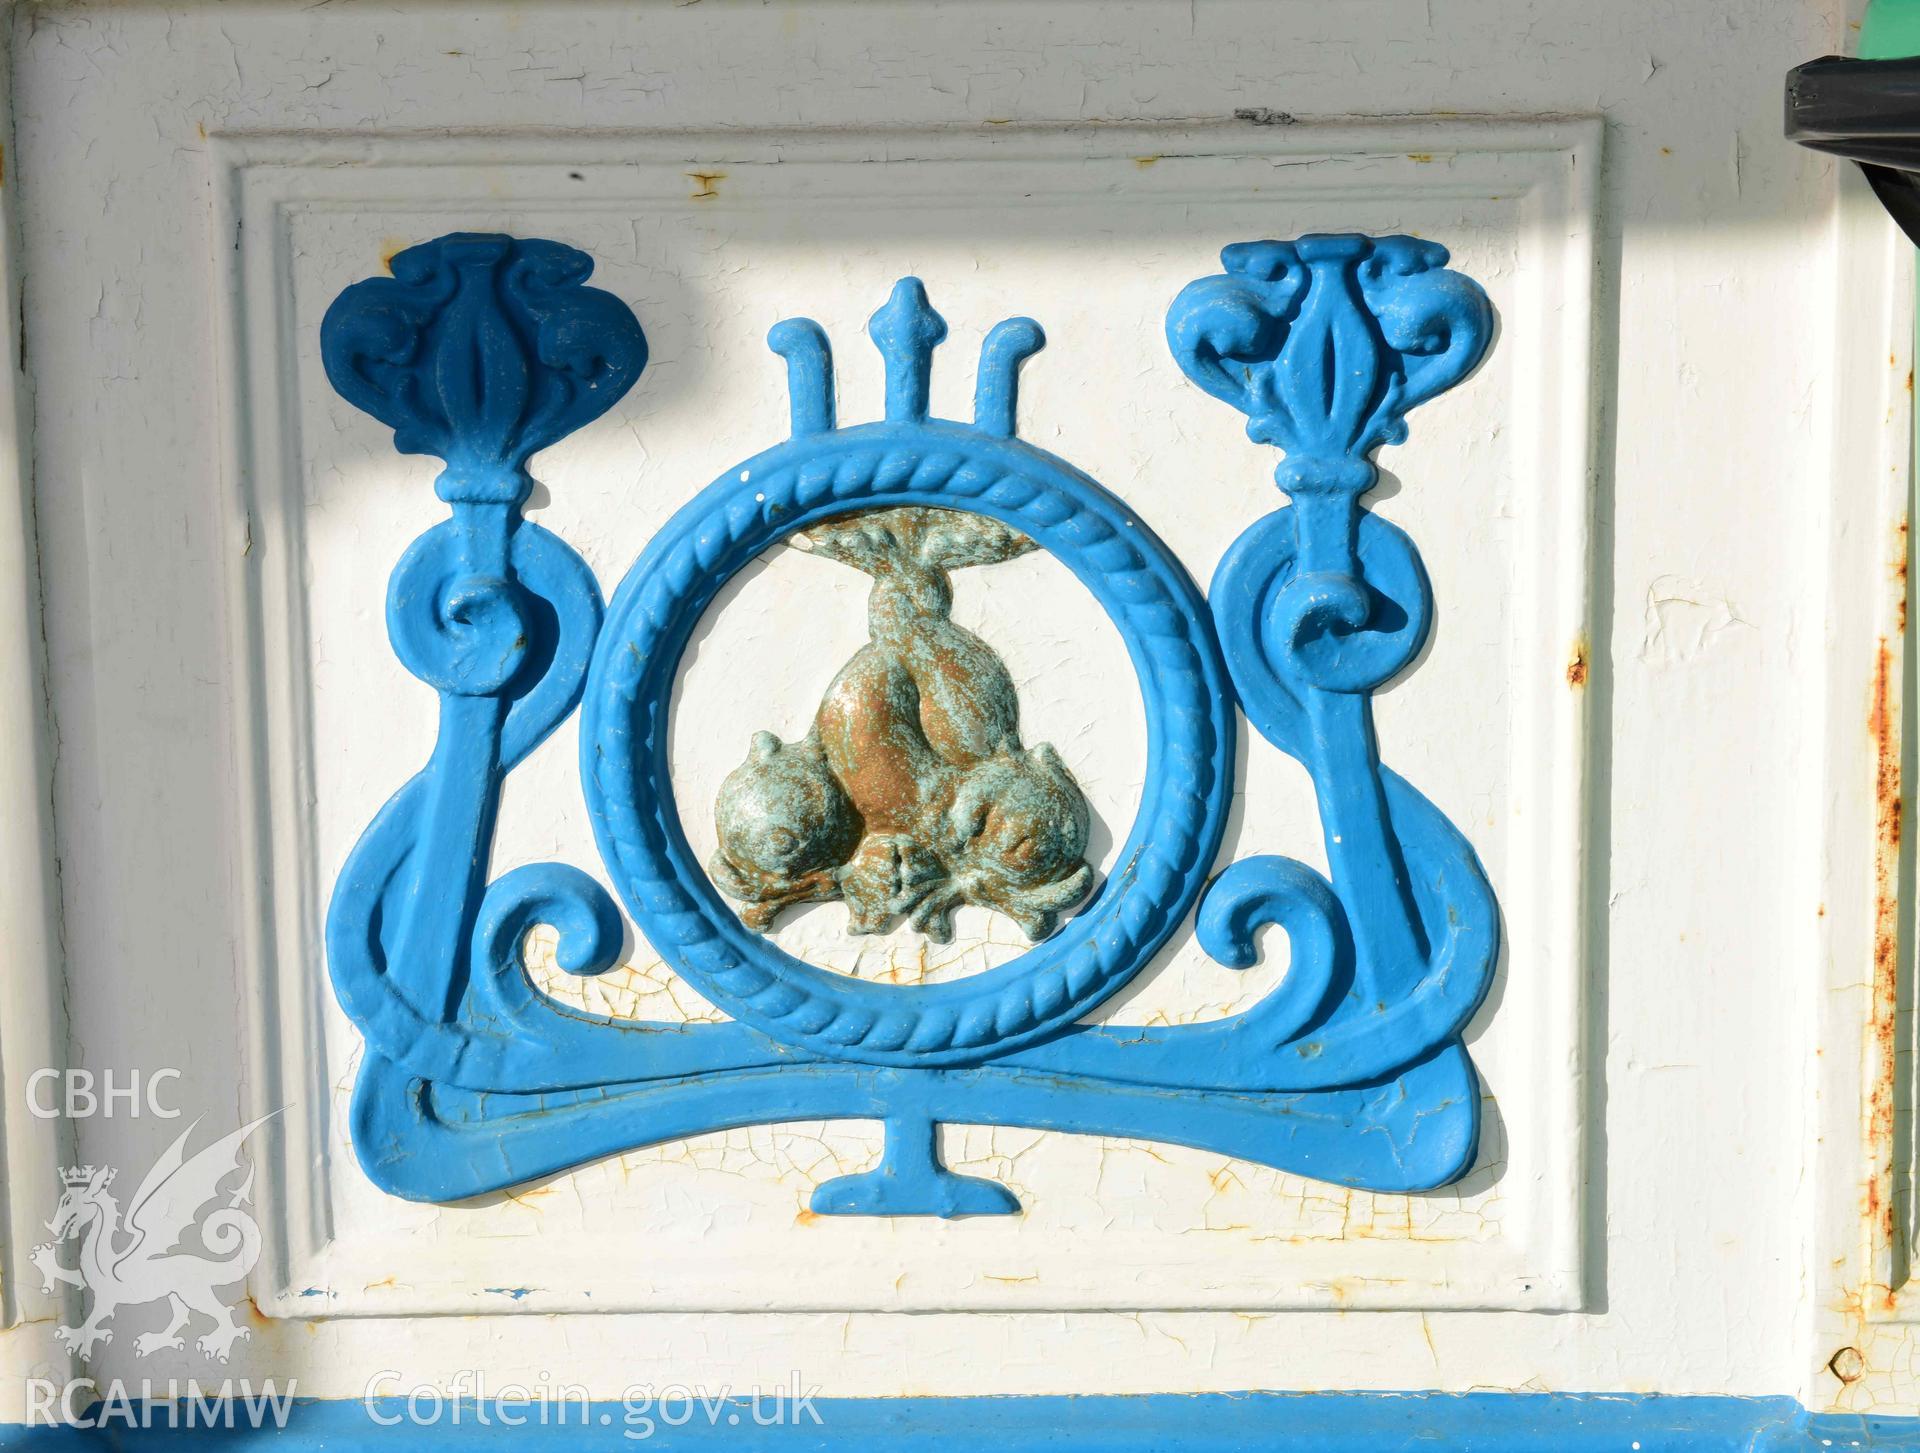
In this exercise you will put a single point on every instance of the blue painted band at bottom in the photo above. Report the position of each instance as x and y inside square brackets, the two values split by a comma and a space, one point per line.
[1375, 1422]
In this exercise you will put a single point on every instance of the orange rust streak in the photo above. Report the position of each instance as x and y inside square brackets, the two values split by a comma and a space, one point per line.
[1886, 947]
[1901, 553]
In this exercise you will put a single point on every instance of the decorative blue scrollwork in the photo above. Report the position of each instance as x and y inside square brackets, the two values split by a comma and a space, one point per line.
[1326, 343]
[484, 349]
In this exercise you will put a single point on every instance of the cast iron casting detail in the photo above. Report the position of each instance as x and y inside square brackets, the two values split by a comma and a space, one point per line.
[911, 793]
[484, 349]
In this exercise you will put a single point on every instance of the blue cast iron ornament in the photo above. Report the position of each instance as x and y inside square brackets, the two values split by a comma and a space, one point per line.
[484, 349]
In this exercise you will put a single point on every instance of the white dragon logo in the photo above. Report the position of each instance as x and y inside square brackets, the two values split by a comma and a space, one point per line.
[142, 1261]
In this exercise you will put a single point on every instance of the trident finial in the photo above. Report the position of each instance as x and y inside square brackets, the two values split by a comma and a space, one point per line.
[906, 331]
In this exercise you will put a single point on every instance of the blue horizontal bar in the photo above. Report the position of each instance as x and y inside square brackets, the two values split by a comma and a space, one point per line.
[1217, 1423]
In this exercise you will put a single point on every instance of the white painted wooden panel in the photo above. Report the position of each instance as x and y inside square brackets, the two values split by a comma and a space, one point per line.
[1729, 695]
[714, 239]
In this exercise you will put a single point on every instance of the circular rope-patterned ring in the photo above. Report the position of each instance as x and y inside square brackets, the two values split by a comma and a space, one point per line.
[1190, 735]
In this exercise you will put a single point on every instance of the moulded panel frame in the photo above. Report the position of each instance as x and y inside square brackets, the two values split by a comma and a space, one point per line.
[1546, 169]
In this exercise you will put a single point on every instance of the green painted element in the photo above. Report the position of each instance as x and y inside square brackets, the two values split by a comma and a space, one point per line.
[1890, 31]
[911, 794]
